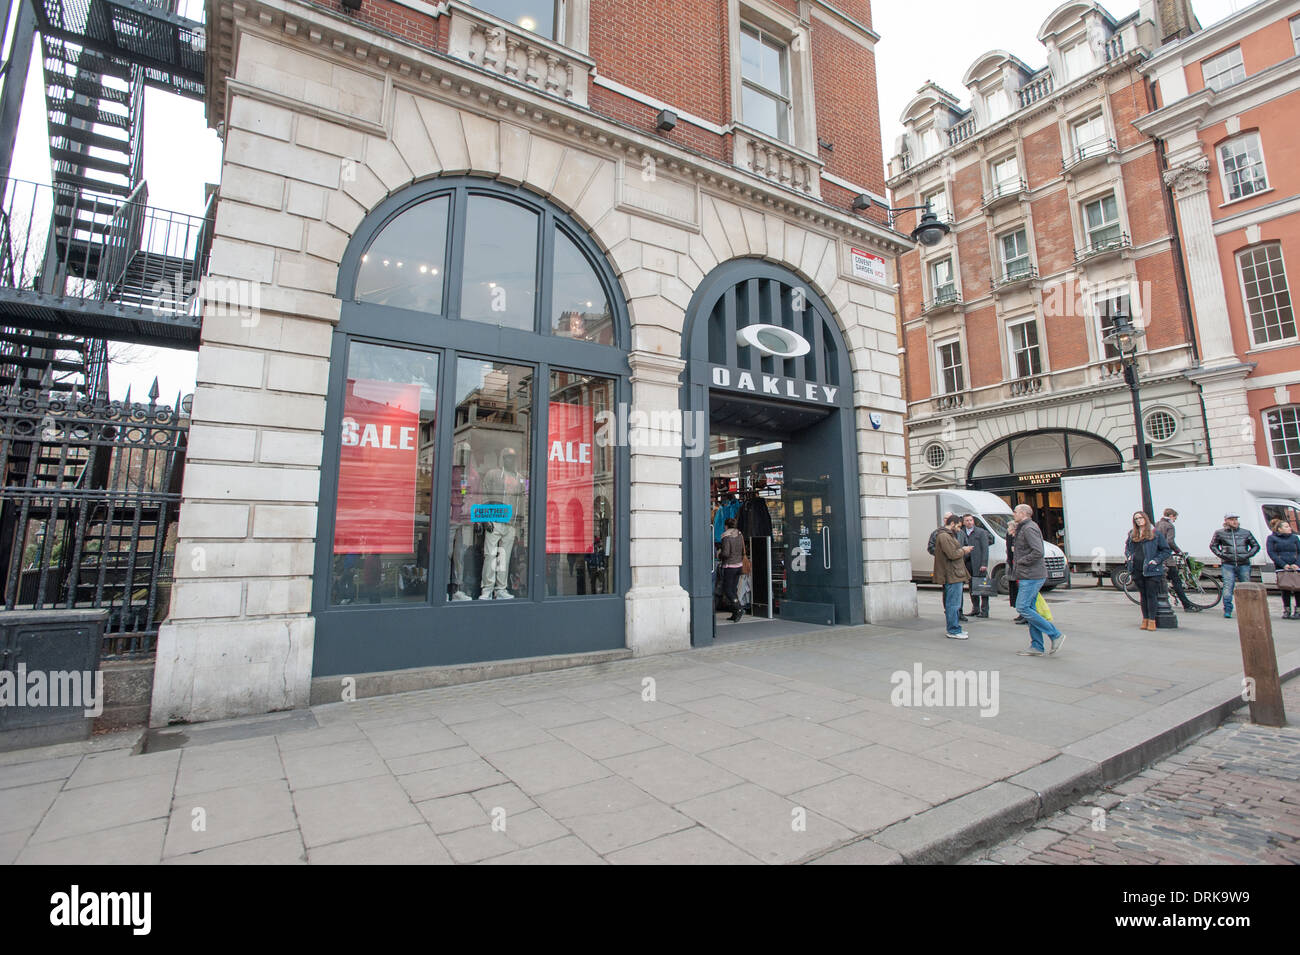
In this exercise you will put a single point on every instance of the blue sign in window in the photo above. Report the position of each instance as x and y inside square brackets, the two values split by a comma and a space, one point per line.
[491, 513]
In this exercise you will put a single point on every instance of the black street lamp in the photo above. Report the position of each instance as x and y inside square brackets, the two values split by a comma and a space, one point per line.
[1124, 337]
[929, 231]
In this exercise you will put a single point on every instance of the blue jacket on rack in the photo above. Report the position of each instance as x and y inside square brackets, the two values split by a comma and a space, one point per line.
[730, 509]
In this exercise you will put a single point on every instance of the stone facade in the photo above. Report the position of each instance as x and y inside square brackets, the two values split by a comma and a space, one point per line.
[322, 119]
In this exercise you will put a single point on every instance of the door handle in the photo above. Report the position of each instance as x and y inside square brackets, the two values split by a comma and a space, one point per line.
[826, 546]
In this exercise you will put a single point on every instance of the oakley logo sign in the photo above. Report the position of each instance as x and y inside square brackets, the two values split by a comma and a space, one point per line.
[773, 340]
[773, 385]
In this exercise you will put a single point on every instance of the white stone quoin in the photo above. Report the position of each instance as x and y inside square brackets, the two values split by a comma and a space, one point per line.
[323, 120]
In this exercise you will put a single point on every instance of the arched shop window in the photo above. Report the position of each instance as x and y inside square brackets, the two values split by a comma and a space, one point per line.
[481, 345]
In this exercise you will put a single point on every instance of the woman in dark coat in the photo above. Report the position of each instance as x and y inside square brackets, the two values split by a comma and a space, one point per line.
[1146, 553]
[1283, 548]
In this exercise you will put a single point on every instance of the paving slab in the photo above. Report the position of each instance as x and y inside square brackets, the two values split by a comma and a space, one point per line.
[227, 816]
[410, 845]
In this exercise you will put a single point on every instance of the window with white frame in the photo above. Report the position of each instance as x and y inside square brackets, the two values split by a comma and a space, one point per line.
[1006, 175]
[998, 105]
[938, 203]
[1015, 255]
[952, 378]
[764, 82]
[942, 286]
[1241, 164]
[1088, 137]
[1022, 346]
[1106, 308]
[1101, 221]
[930, 143]
[1267, 297]
[1284, 437]
[543, 17]
[1220, 72]
[1295, 34]
[1078, 60]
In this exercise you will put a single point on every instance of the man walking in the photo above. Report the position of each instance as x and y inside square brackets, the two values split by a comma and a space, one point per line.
[950, 573]
[1031, 571]
[977, 561]
[1165, 526]
[1234, 546]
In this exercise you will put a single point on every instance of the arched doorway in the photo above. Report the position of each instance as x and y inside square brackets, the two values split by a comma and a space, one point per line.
[768, 379]
[1027, 469]
[469, 510]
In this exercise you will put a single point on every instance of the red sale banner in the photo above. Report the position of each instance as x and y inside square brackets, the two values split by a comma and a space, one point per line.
[570, 454]
[377, 469]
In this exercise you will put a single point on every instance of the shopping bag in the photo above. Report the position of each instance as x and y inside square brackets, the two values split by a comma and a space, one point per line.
[981, 586]
[1040, 606]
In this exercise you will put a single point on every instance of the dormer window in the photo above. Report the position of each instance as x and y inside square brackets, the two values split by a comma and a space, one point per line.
[930, 143]
[999, 105]
[1077, 60]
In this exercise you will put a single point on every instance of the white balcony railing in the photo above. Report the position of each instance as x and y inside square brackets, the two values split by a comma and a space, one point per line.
[778, 162]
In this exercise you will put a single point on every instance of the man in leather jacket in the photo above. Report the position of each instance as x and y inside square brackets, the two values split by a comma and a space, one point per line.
[1234, 546]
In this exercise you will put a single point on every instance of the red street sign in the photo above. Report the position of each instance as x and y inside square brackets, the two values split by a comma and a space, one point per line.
[378, 462]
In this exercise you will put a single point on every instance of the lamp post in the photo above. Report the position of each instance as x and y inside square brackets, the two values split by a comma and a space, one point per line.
[1124, 337]
[929, 230]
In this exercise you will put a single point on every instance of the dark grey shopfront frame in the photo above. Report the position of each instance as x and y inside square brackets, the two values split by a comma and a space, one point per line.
[697, 544]
[370, 638]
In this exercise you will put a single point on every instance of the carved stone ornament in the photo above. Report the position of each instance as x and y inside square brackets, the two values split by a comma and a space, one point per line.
[1189, 177]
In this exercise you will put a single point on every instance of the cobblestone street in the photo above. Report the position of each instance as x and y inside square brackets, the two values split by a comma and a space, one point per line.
[1231, 797]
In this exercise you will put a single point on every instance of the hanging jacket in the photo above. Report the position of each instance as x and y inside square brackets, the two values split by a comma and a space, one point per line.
[754, 519]
[1234, 546]
[728, 509]
[1283, 551]
[1146, 558]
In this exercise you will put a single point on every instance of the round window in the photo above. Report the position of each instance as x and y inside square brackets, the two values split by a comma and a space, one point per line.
[935, 455]
[1161, 426]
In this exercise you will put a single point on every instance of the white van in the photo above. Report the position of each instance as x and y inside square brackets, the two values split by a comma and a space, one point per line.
[926, 510]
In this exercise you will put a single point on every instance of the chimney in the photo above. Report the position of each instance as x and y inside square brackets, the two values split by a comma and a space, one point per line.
[1175, 20]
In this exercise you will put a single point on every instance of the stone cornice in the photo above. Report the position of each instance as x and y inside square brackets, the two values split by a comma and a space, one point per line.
[460, 84]
[1200, 108]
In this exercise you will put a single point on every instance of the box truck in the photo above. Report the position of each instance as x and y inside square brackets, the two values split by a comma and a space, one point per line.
[1099, 511]
[926, 510]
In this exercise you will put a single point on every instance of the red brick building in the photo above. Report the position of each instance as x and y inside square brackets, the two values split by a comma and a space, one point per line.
[1229, 99]
[1060, 221]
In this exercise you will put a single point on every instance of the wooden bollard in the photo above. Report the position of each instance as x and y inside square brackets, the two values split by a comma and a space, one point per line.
[1258, 656]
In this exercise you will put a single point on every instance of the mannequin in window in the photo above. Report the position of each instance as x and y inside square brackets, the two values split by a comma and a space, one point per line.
[500, 485]
[464, 489]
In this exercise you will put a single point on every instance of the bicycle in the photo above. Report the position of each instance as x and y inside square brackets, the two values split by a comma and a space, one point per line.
[1203, 590]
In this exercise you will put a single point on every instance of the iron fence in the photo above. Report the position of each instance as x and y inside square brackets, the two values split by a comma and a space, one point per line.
[88, 508]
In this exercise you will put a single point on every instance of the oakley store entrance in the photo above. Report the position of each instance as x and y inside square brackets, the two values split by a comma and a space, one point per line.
[768, 371]
[470, 510]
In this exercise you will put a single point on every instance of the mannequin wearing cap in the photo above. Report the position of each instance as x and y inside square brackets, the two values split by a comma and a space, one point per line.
[500, 485]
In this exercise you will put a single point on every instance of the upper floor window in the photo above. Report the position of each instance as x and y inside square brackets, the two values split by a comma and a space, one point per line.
[1101, 221]
[930, 143]
[1295, 33]
[952, 378]
[1284, 437]
[942, 286]
[1023, 349]
[1107, 308]
[999, 105]
[1015, 254]
[1223, 70]
[938, 203]
[1078, 60]
[1088, 136]
[765, 83]
[1241, 164]
[1268, 300]
[536, 16]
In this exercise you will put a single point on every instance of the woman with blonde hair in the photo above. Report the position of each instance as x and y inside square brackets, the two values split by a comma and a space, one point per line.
[1146, 552]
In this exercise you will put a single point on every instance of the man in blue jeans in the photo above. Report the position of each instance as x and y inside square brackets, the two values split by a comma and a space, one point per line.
[951, 574]
[1234, 546]
[1031, 571]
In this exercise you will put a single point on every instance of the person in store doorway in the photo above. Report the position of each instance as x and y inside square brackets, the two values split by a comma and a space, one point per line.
[1234, 546]
[1165, 527]
[1145, 552]
[1031, 571]
[977, 561]
[731, 555]
[951, 574]
[1283, 546]
[501, 485]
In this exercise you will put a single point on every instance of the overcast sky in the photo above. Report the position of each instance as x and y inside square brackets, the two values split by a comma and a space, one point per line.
[932, 40]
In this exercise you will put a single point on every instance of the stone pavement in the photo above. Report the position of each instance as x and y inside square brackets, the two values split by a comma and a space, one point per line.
[1231, 797]
[779, 749]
